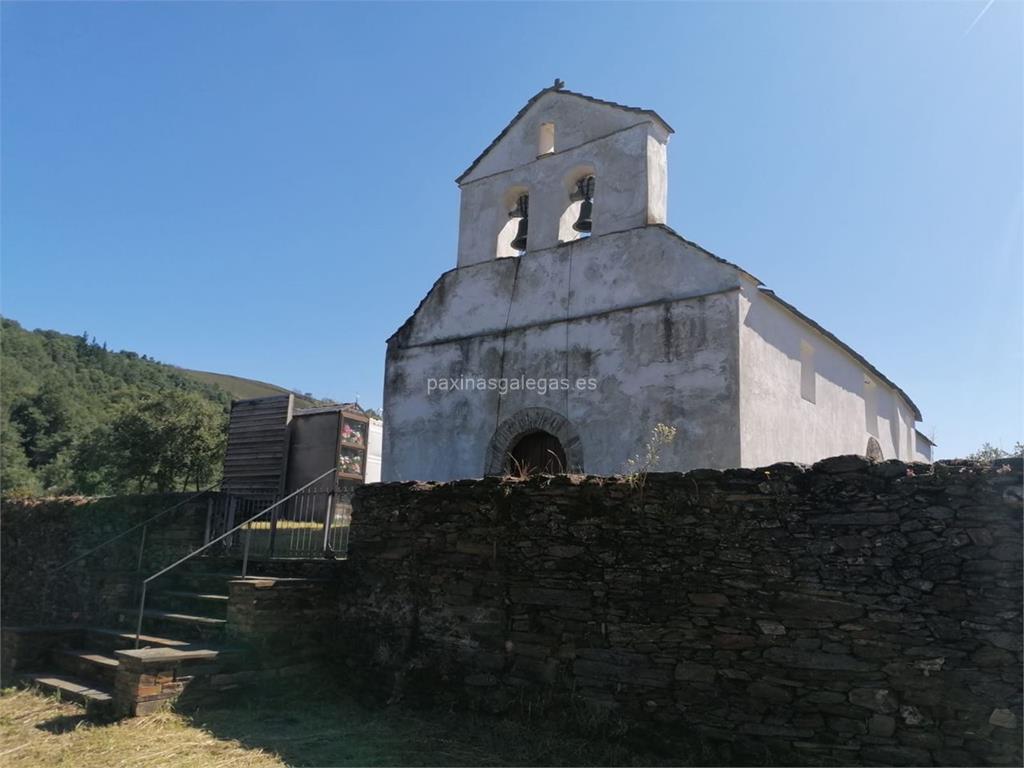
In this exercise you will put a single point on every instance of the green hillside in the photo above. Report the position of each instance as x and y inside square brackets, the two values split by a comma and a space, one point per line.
[242, 389]
[76, 417]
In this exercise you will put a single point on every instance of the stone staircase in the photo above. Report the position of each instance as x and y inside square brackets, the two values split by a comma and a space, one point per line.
[183, 629]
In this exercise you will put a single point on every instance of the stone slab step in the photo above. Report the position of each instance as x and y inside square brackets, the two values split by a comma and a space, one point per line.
[88, 664]
[211, 598]
[96, 698]
[120, 637]
[202, 581]
[92, 657]
[180, 618]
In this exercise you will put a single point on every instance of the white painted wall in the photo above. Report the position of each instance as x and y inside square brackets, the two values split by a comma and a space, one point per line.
[577, 120]
[650, 317]
[922, 447]
[625, 151]
[778, 424]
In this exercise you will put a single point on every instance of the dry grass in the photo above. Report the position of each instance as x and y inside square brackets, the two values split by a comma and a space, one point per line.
[37, 731]
[258, 730]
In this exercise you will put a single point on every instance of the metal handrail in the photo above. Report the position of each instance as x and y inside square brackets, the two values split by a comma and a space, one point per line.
[144, 524]
[207, 545]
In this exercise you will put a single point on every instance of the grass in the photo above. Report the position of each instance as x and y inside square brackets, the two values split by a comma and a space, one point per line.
[38, 731]
[259, 730]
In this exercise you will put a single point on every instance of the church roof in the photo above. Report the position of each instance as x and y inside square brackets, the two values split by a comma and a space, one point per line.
[558, 87]
[817, 326]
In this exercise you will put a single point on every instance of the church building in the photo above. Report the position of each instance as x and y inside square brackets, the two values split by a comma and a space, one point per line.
[576, 321]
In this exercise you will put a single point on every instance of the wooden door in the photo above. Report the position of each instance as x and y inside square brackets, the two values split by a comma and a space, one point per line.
[538, 452]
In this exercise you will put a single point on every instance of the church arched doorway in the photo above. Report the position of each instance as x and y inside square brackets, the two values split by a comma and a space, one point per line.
[537, 452]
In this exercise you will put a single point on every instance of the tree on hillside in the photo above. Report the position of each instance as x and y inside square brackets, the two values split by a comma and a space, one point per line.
[45, 422]
[16, 477]
[161, 442]
[56, 390]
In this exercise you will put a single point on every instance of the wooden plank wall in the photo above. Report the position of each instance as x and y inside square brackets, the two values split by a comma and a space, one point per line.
[257, 451]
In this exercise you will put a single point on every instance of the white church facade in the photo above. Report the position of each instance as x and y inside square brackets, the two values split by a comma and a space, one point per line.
[576, 320]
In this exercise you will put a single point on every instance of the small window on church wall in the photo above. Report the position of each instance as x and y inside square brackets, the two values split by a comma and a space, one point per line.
[807, 375]
[870, 407]
[546, 140]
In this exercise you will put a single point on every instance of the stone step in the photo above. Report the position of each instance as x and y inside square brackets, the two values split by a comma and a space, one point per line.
[87, 664]
[113, 639]
[202, 581]
[97, 698]
[209, 604]
[182, 618]
[195, 595]
[182, 626]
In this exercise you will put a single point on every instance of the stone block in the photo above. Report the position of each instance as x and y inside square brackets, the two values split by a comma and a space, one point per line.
[708, 599]
[773, 628]
[894, 755]
[571, 598]
[799, 659]
[695, 673]
[1003, 718]
[814, 607]
[877, 699]
[881, 725]
[762, 690]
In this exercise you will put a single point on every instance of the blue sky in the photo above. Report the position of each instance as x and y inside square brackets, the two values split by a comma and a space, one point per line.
[267, 189]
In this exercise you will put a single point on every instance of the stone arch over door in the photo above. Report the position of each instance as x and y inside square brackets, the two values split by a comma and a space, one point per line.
[522, 423]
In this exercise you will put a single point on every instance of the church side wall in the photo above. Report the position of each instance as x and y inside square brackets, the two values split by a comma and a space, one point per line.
[779, 424]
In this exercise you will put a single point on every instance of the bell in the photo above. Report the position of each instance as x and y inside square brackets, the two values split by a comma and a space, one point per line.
[519, 241]
[522, 211]
[584, 222]
[585, 192]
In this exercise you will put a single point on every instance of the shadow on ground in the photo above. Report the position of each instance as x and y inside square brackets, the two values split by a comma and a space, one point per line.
[63, 723]
[328, 727]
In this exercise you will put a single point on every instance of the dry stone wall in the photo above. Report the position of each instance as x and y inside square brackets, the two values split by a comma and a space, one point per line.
[37, 536]
[849, 612]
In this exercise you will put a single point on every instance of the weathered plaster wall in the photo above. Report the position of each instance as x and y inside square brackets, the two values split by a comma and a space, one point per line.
[778, 424]
[625, 152]
[849, 613]
[577, 121]
[649, 317]
[923, 448]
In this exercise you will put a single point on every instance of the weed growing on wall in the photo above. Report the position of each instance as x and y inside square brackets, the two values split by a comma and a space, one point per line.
[638, 466]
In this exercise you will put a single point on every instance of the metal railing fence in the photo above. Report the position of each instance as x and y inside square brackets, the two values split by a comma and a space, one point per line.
[270, 515]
